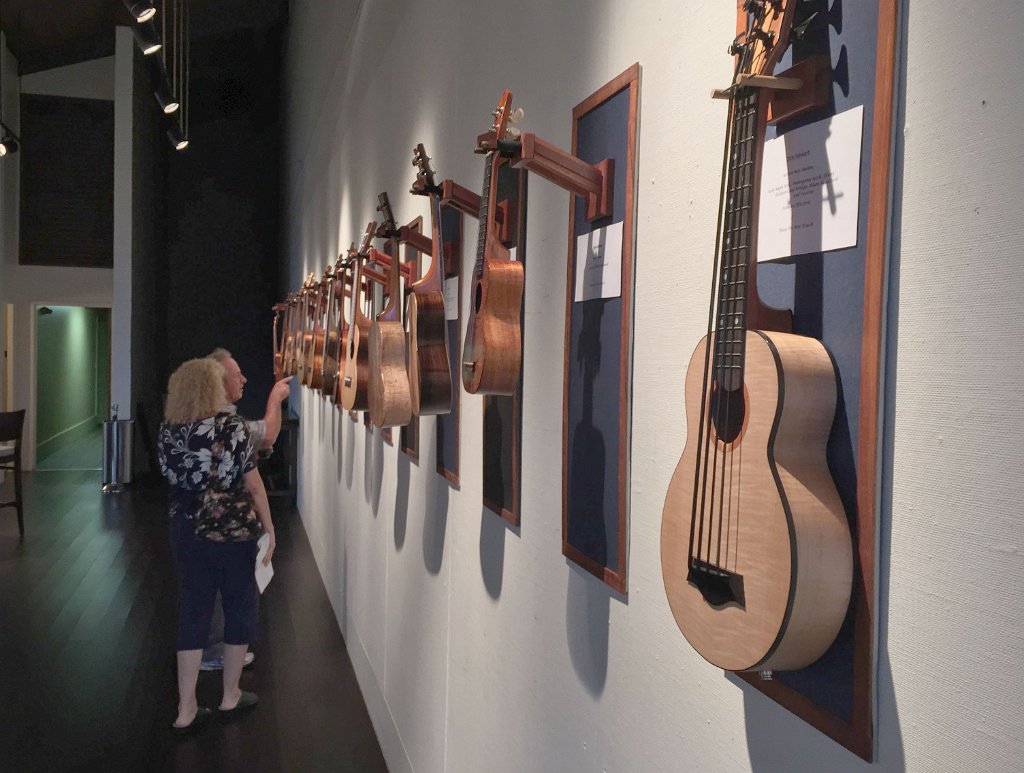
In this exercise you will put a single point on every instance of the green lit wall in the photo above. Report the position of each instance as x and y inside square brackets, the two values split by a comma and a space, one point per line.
[72, 374]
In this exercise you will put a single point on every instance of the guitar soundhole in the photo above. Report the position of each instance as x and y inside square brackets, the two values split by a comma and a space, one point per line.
[478, 297]
[718, 586]
[728, 409]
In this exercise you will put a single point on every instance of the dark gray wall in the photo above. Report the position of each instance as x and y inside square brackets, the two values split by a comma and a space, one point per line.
[223, 209]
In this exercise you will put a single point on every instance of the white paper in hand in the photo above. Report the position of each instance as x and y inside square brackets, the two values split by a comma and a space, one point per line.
[263, 573]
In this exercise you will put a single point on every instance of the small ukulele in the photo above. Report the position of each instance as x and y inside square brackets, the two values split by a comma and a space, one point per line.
[390, 399]
[334, 345]
[430, 376]
[309, 300]
[356, 373]
[281, 311]
[492, 355]
[755, 547]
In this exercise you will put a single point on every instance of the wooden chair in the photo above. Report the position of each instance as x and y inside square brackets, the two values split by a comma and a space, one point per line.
[11, 425]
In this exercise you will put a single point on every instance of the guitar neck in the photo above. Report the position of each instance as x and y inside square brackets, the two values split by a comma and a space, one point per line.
[485, 205]
[738, 237]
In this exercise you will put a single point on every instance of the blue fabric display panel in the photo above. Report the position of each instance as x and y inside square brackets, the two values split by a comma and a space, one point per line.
[598, 376]
[448, 424]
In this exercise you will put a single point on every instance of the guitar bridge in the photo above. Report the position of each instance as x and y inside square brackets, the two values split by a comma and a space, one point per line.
[718, 586]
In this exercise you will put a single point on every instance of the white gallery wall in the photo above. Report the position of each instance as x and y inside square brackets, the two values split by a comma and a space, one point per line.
[479, 647]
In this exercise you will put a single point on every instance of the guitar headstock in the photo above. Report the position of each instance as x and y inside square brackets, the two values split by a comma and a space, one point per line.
[424, 175]
[368, 234]
[388, 227]
[502, 129]
[765, 37]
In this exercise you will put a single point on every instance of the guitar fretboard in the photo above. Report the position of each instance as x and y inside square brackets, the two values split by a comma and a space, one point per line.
[737, 230]
[485, 201]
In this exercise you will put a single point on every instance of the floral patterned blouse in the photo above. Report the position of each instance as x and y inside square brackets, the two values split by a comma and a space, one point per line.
[187, 453]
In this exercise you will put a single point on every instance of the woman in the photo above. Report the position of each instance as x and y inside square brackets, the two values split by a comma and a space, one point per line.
[201, 447]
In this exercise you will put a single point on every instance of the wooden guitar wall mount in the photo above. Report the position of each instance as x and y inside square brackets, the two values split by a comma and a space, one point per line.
[593, 182]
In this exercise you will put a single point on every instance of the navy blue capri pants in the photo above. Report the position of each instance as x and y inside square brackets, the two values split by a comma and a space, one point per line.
[203, 568]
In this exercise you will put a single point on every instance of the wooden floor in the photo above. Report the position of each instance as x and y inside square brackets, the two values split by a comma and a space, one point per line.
[87, 619]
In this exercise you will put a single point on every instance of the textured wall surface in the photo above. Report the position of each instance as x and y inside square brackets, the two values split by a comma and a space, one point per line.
[480, 647]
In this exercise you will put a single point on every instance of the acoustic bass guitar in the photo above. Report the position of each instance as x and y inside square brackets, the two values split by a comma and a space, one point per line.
[755, 546]
[492, 355]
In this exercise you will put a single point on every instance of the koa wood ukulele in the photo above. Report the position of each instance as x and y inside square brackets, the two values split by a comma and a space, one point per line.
[390, 400]
[334, 345]
[493, 352]
[356, 374]
[430, 376]
[755, 546]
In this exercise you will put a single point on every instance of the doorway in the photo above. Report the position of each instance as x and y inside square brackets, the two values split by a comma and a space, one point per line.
[72, 386]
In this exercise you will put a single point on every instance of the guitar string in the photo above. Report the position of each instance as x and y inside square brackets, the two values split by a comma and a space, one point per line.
[704, 426]
[740, 238]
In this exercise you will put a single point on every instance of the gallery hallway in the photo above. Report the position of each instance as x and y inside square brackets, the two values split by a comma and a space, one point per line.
[86, 643]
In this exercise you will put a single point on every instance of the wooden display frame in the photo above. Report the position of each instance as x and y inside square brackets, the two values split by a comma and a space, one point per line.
[858, 732]
[498, 410]
[409, 435]
[616, 131]
[448, 463]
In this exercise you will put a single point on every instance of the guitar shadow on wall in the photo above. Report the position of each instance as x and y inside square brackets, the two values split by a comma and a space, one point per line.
[401, 500]
[350, 447]
[435, 523]
[588, 600]
[373, 447]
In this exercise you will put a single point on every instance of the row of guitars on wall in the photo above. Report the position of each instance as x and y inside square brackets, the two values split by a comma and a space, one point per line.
[755, 545]
[367, 361]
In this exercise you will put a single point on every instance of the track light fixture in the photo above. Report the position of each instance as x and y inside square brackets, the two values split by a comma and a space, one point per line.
[177, 137]
[147, 37]
[9, 141]
[168, 102]
[141, 10]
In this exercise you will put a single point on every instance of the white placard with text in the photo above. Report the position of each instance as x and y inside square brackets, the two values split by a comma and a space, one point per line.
[599, 263]
[451, 298]
[810, 188]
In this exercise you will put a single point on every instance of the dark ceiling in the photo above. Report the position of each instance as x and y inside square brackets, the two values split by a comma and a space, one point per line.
[43, 34]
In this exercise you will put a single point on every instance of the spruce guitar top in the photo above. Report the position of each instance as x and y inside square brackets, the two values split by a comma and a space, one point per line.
[755, 547]
[389, 396]
[492, 355]
[430, 377]
[356, 373]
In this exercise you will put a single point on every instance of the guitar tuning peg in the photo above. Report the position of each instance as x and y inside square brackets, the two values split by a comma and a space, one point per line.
[516, 115]
[513, 133]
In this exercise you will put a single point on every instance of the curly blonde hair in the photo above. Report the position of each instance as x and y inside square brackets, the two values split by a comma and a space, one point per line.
[195, 391]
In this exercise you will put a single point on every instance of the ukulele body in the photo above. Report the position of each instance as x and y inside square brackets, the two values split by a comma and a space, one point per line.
[430, 378]
[354, 381]
[315, 367]
[389, 399]
[783, 527]
[333, 347]
[493, 352]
